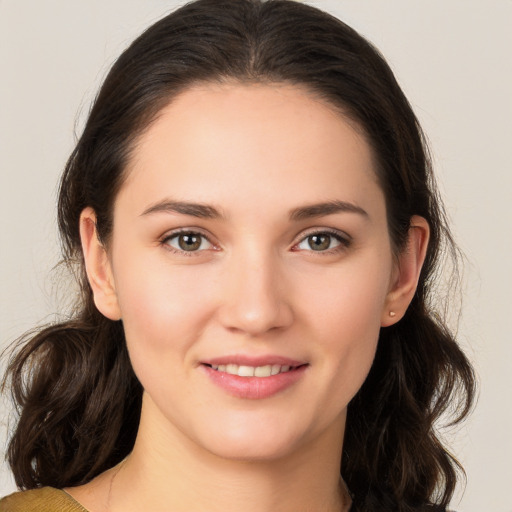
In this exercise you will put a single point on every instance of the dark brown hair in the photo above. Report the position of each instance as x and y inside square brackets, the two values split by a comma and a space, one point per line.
[77, 396]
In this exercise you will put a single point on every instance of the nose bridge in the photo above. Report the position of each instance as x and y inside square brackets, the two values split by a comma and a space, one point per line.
[255, 300]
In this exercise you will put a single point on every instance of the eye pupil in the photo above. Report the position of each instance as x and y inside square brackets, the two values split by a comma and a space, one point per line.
[189, 242]
[319, 242]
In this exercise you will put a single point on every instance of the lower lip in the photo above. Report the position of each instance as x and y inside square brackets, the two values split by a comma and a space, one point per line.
[254, 388]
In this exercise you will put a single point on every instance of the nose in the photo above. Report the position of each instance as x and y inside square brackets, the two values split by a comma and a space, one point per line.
[255, 295]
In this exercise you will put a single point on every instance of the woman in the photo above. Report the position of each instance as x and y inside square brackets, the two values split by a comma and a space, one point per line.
[253, 220]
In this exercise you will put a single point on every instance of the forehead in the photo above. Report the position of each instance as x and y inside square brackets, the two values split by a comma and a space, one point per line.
[246, 141]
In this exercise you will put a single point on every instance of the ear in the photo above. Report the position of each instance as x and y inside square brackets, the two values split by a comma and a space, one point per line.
[98, 267]
[407, 272]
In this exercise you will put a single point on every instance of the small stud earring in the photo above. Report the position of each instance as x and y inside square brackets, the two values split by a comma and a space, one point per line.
[392, 313]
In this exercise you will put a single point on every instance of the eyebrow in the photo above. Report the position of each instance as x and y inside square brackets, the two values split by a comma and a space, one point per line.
[205, 211]
[200, 210]
[327, 208]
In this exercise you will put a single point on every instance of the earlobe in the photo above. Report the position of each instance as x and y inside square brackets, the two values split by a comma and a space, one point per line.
[405, 280]
[98, 267]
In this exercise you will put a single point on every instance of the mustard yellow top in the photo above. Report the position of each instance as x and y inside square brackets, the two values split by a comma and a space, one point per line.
[46, 499]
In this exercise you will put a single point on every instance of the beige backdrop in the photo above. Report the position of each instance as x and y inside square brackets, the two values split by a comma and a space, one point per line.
[453, 60]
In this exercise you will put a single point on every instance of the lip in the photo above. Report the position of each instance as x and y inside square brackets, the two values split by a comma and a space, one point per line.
[245, 360]
[254, 388]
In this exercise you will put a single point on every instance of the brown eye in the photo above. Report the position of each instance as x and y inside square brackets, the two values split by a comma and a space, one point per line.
[188, 242]
[319, 242]
[322, 241]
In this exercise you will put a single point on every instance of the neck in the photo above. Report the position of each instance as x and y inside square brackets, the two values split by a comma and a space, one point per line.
[167, 471]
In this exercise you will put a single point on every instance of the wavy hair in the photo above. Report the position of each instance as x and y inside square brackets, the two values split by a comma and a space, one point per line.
[78, 399]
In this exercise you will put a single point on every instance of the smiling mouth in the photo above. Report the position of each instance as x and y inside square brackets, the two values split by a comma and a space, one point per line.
[252, 371]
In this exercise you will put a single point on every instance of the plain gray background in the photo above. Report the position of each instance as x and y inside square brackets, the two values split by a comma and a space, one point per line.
[452, 58]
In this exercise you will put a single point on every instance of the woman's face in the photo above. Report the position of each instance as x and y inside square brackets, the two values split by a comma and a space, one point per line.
[250, 238]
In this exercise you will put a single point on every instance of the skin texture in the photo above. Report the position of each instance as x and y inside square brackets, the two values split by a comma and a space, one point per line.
[253, 287]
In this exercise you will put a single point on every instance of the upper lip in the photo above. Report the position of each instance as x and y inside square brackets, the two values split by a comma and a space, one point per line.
[245, 360]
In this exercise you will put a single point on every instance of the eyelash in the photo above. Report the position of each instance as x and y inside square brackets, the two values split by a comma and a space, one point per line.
[174, 235]
[344, 241]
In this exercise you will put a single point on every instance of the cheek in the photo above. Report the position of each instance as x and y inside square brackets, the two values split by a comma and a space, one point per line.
[350, 300]
[346, 314]
[164, 309]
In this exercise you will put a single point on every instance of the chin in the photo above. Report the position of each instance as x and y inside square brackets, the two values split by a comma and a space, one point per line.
[254, 450]
[253, 441]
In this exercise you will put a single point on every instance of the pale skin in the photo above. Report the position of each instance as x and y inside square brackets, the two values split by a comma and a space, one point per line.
[264, 275]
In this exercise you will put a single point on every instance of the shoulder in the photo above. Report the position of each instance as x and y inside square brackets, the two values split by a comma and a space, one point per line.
[45, 499]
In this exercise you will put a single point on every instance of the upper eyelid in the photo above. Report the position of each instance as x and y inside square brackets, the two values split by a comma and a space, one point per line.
[318, 231]
[179, 231]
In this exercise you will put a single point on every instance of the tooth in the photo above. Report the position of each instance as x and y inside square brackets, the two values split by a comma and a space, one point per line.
[246, 371]
[232, 369]
[263, 371]
[251, 371]
[276, 368]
